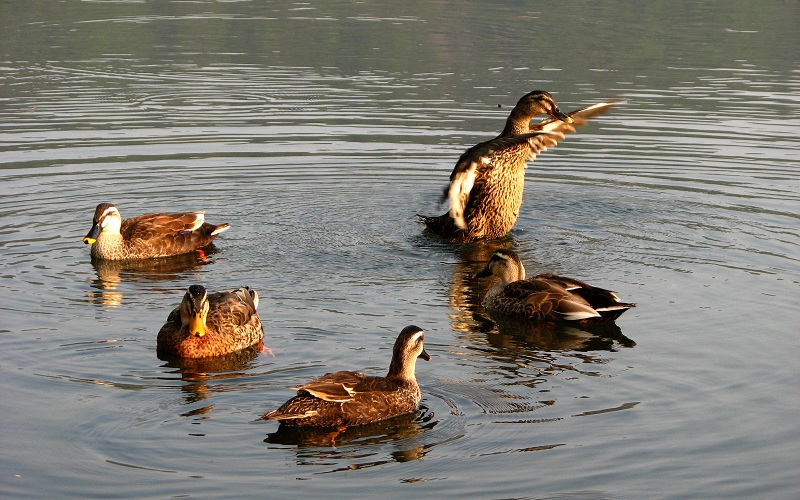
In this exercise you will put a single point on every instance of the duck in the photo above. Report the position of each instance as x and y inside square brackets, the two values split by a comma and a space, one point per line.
[546, 297]
[487, 182]
[346, 398]
[211, 324]
[149, 235]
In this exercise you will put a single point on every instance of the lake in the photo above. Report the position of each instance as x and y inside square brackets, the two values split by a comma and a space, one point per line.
[318, 130]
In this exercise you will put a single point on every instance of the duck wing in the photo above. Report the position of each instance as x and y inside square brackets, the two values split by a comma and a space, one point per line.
[232, 309]
[171, 234]
[605, 302]
[153, 227]
[339, 387]
[558, 129]
[345, 386]
[579, 117]
[545, 299]
[480, 158]
[596, 296]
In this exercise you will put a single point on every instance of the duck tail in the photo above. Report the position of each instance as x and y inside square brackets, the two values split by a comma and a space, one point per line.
[219, 228]
[422, 219]
[611, 313]
[436, 224]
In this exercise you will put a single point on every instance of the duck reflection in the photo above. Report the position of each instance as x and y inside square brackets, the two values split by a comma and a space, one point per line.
[466, 292]
[316, 446]
[110, 274]
[564, 337]
[469, 316]
[198, 372]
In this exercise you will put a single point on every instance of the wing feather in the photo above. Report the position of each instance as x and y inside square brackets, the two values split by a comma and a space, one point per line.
[555, 126]
[480, 156]
[543, 135]
[161, 225]
[337, 387]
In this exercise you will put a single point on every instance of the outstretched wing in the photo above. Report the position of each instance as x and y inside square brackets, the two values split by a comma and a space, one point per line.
[544, 134]
[579, 117]
[480, 156]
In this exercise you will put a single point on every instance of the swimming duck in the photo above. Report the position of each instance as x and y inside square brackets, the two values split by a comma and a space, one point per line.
[486, 185]
[347, 398]
[546, 296]
[149, 235]
[211, 324]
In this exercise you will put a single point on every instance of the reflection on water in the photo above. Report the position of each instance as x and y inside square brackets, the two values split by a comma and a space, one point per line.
[197, 372]
[466, 292]
[563, 336]
[111, 273]
[362, 446]
[400, 427]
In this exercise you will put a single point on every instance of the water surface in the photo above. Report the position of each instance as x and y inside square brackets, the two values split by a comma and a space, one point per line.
[318, 132]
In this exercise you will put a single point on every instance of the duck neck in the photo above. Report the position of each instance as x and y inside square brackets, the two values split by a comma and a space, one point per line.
[511, 275]
[401, 369]
[517, 123]
[107, 244]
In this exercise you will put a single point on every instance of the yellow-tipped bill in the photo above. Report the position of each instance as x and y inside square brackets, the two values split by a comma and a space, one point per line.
[197, 326]
[557, 113]
[94, 232]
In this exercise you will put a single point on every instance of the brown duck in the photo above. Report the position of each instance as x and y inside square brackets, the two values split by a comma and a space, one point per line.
[211, 324]
[486, 185]
[546, 296]
[149, 235]
[346, 398]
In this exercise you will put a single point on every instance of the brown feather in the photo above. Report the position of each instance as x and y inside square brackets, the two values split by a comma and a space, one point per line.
[487, 182]
[348, 398]
[546, 296]
[232, 324]
[150, 235]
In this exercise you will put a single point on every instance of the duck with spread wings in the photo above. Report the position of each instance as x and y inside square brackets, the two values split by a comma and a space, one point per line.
[486, 185]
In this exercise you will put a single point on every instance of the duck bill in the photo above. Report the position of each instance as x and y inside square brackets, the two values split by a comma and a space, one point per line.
[424, 355]
[91, 238]
[557, 113]
[197, 326]
[484, 274]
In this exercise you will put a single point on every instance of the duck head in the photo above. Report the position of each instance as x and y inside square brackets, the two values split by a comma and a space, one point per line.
[538, 102]
[504, 264]
[194, 310]
[530, 105]
[106, 219]
[407, 348]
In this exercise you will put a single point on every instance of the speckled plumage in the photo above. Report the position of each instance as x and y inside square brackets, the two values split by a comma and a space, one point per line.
[487, 183]
[546, 296]
[149, 235]
[211, 324]
[348, 398]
